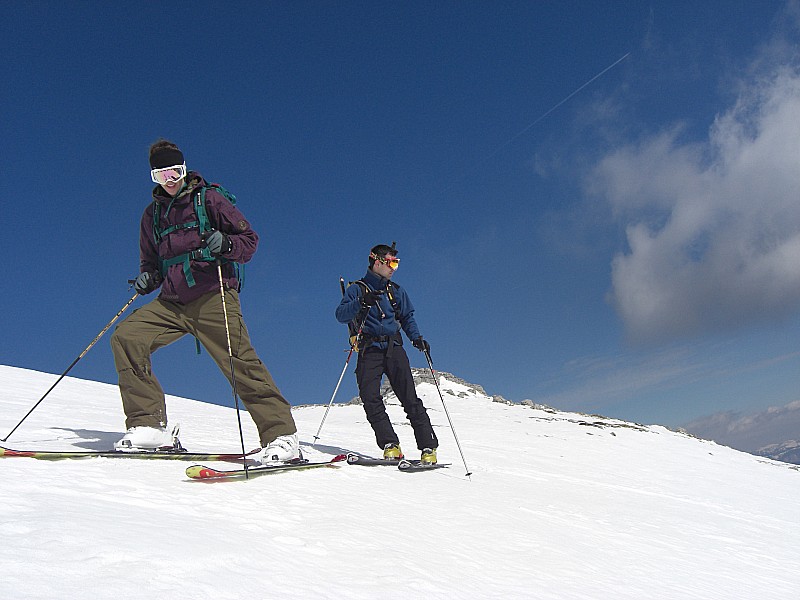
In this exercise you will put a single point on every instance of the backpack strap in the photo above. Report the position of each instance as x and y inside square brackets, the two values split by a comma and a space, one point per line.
[158, 231]
[202, 224]
[353, 325]
[200, 210]
[390, 289]
[205, 225]
[390, 294]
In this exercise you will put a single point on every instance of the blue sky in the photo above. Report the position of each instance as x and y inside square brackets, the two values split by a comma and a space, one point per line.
[603, 235]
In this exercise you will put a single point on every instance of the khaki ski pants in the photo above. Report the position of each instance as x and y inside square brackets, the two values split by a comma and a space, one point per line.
[160, 323]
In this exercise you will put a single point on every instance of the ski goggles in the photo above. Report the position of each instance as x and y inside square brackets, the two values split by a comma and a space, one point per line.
[168, 174]
[390, 261]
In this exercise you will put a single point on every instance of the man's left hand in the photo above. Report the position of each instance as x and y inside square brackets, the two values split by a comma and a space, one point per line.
[421, 344]
[218, 243]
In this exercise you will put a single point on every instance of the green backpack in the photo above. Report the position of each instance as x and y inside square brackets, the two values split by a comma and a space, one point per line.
[204, 226]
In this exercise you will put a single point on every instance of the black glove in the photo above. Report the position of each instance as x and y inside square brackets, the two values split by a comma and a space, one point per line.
[371, 297]
[421, 345]
[146, 282]
[218, 243]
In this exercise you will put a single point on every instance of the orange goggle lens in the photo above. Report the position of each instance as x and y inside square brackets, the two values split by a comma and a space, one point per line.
[390, 261]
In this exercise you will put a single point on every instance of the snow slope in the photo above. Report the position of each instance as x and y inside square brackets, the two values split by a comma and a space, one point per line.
[560, 505]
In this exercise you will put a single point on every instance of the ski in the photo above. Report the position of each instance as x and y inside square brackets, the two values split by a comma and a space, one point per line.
[403, 464]
[154, 455]
[414, 466]
[203, 473]
[369, 461]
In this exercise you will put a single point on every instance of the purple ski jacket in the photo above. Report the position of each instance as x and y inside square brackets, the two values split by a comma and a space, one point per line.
[222, 215]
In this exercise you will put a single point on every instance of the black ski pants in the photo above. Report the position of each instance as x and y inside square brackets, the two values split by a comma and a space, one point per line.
[373, 362]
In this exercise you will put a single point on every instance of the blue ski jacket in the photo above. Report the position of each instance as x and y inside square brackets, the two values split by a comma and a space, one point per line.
[380, 325]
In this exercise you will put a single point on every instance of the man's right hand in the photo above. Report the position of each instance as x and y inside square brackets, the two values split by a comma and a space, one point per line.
[371, 297]
[146, 282]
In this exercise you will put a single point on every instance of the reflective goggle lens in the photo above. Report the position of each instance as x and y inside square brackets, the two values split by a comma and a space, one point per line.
[168, 174]
[390, 261]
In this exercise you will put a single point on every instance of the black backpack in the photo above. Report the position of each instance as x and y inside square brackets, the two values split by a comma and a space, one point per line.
[354, 325]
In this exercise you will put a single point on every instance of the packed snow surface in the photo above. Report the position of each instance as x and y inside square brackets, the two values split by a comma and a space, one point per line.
[558, 506]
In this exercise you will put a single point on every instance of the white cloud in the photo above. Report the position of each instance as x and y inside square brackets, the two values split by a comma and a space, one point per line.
[713, 228]
[750, 432]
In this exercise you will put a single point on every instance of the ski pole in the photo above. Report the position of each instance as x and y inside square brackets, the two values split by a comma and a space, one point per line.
[436, 383]
[353, 346]
[74, 362]
[336, 389]
[233, 371]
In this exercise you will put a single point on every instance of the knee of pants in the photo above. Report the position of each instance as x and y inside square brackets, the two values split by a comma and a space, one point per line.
[142, 372]
[121, 334]
[375, 410]
[129, 351]
[372, 401]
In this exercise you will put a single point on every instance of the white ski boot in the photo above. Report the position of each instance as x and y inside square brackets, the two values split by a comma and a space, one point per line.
[281, 449]
[149, 439]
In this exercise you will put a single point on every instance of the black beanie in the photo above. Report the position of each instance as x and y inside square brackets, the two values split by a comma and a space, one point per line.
[166, 157]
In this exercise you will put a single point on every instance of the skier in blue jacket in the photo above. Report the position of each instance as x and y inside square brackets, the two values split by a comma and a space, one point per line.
[385, 308]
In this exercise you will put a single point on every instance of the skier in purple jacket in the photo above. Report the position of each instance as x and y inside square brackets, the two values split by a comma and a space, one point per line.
[181, 260]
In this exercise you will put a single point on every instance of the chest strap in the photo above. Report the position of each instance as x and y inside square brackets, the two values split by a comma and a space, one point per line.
[201, 254]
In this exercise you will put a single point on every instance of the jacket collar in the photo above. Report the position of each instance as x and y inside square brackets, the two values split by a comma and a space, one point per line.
[375, 281]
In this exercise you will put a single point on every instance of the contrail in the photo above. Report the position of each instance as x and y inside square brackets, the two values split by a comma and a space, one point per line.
[543, 116]
[596, 77]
